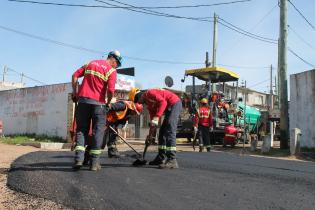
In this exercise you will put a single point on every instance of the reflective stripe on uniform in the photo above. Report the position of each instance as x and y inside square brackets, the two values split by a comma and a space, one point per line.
[162, 147]
[208, 146]
[171, 148]
[230, 135]
[95, 152]
[79, 148]
[111, 146]
[202, 114]
[99, 75]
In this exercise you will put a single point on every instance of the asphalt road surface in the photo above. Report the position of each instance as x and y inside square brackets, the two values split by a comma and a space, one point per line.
[204, 181]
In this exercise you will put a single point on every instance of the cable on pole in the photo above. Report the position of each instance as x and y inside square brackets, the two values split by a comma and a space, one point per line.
[302, 59]
[301, 14]
[300, 37]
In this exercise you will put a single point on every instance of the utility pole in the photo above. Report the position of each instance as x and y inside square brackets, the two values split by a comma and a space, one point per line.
[283, 79]
[207, 60]
[4, 72]
[22, 75]
[271, 108]
[244, 112]
[214, 46]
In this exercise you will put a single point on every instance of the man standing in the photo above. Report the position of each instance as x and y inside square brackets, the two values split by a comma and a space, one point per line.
[203, 124]
[99, 78]
[159, 102]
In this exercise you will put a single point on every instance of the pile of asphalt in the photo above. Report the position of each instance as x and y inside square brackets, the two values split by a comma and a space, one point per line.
[204, 181]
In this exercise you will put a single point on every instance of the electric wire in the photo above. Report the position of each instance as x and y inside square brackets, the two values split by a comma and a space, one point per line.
[244, 31]
[246, 34]
[138, 7]
[259, 83]
[302, 59]
[252, 28]
[154, 13]
[301, 14]
[30, 78]
[300, 37]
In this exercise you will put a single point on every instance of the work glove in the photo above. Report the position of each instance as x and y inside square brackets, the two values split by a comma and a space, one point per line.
[195, 129]
[211, 129]
[155, 122]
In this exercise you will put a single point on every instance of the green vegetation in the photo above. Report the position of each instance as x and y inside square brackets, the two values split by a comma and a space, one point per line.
[308, 149]
[28, 138]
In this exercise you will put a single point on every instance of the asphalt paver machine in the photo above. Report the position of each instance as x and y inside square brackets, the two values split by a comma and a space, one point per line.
[223, 107]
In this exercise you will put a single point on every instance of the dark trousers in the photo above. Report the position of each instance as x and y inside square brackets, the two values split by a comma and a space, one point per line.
[112, 137]
[204, 136]
[86, 113]
[167, 133]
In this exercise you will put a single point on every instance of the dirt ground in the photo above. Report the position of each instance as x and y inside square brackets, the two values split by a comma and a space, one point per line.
[10, 199]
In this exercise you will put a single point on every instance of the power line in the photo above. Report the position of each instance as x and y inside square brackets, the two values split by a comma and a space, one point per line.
[252, 28]
[259, 83]
[300, 37]
[154, 13]
[296, 55]
[246, 34]
[249, 33]
[63, 44]
[30, 78]
[138, 7]
[245, 67]
[309, 23]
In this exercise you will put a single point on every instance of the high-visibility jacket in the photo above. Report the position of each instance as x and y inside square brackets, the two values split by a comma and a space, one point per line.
[203, 117]
[157, 100]
[99, 78]
[121, 114]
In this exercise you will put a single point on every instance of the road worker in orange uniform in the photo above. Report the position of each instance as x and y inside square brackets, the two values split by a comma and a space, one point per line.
[159, 102]
[203, 124]
[117, 117]
[99, 78]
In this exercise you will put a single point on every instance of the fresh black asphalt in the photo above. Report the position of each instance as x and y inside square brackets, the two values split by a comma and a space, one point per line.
[204, 181]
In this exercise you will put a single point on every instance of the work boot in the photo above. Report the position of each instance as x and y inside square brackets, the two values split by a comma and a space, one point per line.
[95, 165]
[208, 149]
[77, 165]
[113, 153]
[200, 149]
[87, 158]
[159, 159]
[169, 164]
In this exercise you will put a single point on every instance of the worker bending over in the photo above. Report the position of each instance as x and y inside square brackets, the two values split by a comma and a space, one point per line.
[159, 102]
[117, 117]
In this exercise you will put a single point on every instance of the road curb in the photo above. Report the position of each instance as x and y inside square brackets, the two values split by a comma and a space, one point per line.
[48, 145]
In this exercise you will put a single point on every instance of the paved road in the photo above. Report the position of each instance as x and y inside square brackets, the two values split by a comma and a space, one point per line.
[205, 181]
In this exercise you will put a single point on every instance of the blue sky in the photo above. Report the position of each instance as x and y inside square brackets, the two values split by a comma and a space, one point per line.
[150, 37]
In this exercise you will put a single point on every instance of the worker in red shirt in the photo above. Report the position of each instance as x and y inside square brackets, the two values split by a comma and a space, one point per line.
[99, 78]
[159, 102]
[203, 124]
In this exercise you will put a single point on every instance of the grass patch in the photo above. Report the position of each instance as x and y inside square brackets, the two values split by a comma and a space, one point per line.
[29, 138]
[307, 149]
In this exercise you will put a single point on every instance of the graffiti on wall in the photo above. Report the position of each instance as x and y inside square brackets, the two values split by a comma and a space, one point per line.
[29, 102]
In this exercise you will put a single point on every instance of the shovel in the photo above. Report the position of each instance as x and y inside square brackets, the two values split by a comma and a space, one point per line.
[140, 160]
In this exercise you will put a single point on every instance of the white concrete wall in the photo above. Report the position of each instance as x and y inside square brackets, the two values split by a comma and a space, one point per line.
[39, 110]
[302, 106]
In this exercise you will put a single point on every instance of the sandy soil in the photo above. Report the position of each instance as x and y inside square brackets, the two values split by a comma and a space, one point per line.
[10, 199]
